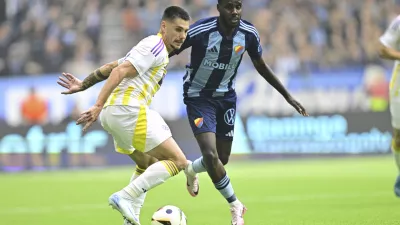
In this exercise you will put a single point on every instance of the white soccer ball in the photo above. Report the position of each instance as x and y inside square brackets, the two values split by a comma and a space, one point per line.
[168, 215]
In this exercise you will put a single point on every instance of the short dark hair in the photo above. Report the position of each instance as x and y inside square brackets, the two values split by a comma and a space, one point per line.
[173, 12]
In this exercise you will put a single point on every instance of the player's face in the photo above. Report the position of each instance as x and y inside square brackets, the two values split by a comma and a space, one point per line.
[176, 32]
[230, 11]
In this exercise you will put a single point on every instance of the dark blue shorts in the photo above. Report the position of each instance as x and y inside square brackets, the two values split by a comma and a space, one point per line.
[212, 115]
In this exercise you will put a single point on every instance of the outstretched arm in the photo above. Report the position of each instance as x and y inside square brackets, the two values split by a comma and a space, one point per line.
[388, 52]
[73, 84]
[266, 72]
[99, 75]
[117, 75]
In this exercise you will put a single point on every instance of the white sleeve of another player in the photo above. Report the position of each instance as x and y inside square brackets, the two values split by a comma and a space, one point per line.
[143, 55]
[121, 60]
[392, 34]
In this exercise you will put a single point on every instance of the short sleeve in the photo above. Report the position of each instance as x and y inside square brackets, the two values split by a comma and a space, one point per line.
[392, 34]
[144, 55]
[121, 60]
[254, 47]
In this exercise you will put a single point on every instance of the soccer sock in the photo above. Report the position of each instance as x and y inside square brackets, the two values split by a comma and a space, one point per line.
[396, 153]
[198, 166]
[154, 175]
[141, 198]
[224, 186]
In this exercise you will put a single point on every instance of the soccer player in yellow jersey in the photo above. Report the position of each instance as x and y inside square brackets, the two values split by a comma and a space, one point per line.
[390, 49]
[138, 131]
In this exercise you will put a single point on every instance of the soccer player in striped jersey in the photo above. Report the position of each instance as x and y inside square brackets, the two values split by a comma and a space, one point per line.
[218, 45]
[390, 49]
[138, 131]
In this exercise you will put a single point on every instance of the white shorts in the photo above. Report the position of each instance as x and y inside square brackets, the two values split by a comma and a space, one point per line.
[395, 111]
[134, 127]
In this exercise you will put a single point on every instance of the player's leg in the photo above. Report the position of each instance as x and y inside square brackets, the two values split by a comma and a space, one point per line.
[202, 119]
[210, 159]
[225, 128]
[395, 114]
[138, 204]
[205, 135]
[171, 161]
[115, 120]
[226, 115]
[219, 176]
[159, 144]
[396, 153]
[201, 115]
[142, 164]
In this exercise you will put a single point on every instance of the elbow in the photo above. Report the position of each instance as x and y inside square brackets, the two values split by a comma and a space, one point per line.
[382, 53]
[110, 66]
[116, 72]
[120, 72]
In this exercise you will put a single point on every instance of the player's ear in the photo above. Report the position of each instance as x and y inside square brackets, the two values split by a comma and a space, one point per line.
[163, 26]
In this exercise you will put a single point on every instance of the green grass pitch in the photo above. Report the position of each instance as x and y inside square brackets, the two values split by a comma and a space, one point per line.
[340, 191]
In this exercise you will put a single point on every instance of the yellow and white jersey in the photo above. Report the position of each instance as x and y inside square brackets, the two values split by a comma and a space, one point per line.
[150, 58]
[391, 39]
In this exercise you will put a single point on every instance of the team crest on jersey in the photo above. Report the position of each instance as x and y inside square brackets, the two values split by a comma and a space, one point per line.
[198, 122]
[238, 49]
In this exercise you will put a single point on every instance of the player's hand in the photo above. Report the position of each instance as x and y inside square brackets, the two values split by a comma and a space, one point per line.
[70, 82]
[88, 117]
[297, 106]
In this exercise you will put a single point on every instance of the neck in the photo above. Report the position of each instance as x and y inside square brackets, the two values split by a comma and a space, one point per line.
[226, 30]
[169, 49]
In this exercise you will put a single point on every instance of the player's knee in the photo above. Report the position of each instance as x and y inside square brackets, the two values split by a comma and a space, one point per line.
[210, 158]
[146, 163]
[180, 161]
[142, 160]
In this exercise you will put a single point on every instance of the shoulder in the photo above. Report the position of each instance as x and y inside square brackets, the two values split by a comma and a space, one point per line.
[150, 41]
[395, 24]
[249, 29]
[204, 21]
[202, 25]
[153, 44]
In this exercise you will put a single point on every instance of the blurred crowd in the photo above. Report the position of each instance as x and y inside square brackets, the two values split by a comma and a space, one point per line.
[298, 36]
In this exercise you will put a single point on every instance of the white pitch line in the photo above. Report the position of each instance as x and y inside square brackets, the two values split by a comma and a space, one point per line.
[102, 206]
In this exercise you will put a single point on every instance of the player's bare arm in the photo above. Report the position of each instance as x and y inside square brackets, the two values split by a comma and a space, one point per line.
[122, 71]
[388, 52]
[74, 85]
[265, 71]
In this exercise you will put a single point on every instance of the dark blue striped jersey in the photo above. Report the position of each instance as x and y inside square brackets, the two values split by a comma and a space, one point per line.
[215, 59]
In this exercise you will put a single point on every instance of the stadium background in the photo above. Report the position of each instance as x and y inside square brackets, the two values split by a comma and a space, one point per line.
[324, 51]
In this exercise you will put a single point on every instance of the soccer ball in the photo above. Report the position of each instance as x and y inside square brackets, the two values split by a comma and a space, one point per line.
[170, 215]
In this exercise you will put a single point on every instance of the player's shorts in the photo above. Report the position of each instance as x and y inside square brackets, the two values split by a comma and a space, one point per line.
[134, 127]
[212, 115]
[395, 108]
